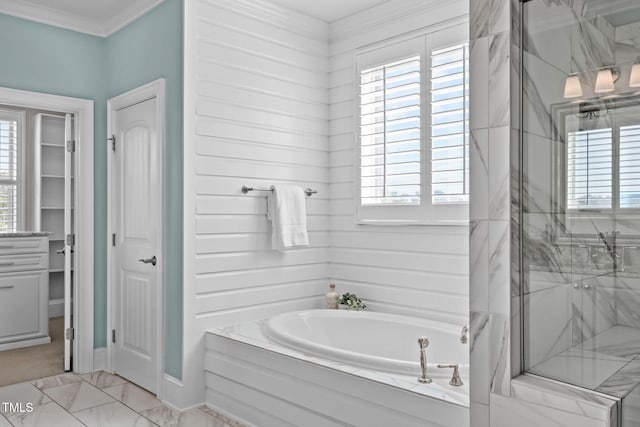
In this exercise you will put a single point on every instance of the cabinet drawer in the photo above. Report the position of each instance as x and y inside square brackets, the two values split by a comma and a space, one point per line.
[22, 245]
[24, 262]
[22, 296]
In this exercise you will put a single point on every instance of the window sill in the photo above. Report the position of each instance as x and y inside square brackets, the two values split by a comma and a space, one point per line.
[393, 223]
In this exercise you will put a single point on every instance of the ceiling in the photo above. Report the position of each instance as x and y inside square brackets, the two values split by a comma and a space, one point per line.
[329, 10]
[104, 17]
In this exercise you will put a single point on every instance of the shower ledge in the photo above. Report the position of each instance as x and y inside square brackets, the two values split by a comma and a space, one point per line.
[543, 394]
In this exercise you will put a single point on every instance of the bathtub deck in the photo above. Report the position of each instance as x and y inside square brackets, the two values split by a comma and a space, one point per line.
[251, 333]
[268, 385]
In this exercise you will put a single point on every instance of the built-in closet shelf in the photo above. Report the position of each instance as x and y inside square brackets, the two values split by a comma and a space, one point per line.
[50, 144]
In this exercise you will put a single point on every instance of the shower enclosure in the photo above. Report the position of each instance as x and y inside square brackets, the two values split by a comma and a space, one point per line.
[580, 195]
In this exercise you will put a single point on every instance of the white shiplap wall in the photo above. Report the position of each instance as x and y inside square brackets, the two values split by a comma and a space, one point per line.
[256, 103]
[269, 99]
[416, 270]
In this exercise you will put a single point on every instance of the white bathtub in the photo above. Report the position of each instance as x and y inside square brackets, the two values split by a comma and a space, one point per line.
[377, 341]
[335, 368]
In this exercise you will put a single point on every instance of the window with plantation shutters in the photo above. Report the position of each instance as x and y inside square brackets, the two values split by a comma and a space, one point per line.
[629, 165]
[449, 125]
[10, 128]
[412, 118]
[589, 166]
[390, 133]
[597, 178]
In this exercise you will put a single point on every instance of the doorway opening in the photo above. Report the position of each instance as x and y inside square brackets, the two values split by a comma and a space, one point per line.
[46, 235]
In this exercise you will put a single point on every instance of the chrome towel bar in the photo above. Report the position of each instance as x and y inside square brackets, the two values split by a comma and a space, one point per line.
[246, 189]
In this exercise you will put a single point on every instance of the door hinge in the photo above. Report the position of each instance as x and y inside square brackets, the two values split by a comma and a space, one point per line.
[71, 240]
[113, 142]
[71, 145]
[113, 335]
[113, 239]
[70, 333]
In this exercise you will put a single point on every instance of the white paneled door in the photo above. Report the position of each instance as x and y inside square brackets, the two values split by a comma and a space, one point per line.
[136, 206]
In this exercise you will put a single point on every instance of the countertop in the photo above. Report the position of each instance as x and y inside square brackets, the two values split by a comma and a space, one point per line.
[27, 234]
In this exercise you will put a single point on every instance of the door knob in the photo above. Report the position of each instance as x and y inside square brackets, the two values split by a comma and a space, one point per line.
[151, 261]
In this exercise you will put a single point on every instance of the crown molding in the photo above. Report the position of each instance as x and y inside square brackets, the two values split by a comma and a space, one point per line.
[70, 21]
[129, 14]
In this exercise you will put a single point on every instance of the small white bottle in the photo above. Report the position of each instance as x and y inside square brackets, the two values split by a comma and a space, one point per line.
[332, 297]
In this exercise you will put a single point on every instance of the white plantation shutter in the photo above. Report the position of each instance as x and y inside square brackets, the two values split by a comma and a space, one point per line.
[390, 133]
[449, 125]
[8, 175]
[412, 119]
[629, 166]
[589, 167]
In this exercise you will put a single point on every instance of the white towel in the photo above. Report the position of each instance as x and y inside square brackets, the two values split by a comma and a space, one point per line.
[288, 214]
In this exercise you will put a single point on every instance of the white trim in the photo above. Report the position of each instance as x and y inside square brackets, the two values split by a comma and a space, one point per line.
[76, 22]
[193, 380]
[172, 392]
[155, 89]
[56, 308]
[83, 213]
[100, 359]
[25, 343]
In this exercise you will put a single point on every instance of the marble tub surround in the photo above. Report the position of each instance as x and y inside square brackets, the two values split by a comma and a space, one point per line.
[98, 399]
[252, 333]
[267, 384]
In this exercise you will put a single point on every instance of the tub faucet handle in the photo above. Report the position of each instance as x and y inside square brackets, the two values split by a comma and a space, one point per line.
[455, 379]
[464, 334]
[423, 342]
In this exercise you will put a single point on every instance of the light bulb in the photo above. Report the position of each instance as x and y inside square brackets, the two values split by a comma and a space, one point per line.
[572, 87]
[634, 78]
[604, 81]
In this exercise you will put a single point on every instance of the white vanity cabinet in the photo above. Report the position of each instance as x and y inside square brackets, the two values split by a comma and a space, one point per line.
[24, 290]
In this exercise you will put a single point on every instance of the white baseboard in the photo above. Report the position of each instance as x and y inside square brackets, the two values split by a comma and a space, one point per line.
[56, 308]
[173, 392]
[25, 343]
[100, 359]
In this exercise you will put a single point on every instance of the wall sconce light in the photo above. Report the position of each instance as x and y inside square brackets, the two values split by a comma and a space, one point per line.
[572, 87]
[634, 78]
[605, 80]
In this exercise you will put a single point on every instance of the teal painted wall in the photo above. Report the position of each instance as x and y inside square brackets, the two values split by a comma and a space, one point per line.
[146, 50]
[43, 58]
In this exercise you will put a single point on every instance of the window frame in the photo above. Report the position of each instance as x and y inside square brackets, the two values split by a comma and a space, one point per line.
[584, 221]
[20, 117]
[426, 213]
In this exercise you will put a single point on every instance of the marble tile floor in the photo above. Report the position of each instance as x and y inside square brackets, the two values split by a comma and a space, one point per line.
[98, 399]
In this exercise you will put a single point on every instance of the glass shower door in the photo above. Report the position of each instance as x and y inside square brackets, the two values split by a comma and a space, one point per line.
[580, 195]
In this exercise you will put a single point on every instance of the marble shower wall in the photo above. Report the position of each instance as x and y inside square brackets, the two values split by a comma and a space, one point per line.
[495, 210]
[494, 62]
